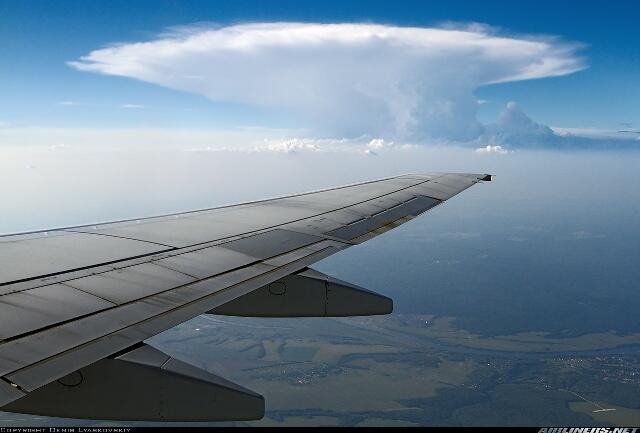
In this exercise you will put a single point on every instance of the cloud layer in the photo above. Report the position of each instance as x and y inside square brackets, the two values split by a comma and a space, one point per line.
[515, 130]
[343, 79]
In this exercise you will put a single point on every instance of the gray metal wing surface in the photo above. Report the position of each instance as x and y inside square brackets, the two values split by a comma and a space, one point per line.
[72, 297]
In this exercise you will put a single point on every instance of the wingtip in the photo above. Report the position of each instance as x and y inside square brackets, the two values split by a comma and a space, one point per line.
[488, 177]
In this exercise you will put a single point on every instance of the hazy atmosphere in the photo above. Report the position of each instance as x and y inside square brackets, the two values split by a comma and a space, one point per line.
[515, 302]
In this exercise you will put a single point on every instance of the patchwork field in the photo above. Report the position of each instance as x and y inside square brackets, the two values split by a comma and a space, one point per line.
[404, 370]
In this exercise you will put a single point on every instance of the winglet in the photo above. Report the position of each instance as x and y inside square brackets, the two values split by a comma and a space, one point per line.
[487, 177]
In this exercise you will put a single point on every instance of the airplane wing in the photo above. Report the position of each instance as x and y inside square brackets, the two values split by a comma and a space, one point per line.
[77, 303]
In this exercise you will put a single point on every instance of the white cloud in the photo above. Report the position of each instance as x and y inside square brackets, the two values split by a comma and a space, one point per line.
[246, 140]
[492, 149]
[597, 133]
[59, 147]
[249, 140]
[380, 144]
[343, 79]
[514, 129]
[583, 235]
[289, 146]
[134, 138]
[376, 144]
[69, 103]
[358, 145]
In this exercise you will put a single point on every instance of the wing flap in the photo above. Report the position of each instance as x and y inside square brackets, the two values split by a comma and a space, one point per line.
[142, 384]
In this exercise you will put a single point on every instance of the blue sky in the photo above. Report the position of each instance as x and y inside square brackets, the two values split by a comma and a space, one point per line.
[37, 38]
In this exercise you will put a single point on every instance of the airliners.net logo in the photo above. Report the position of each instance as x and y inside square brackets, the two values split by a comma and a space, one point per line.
[589, 430]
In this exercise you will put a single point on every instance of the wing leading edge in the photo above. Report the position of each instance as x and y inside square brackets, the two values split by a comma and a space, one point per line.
[72, 298]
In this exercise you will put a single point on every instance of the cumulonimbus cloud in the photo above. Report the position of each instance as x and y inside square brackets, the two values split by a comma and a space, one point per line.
[345, 79]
